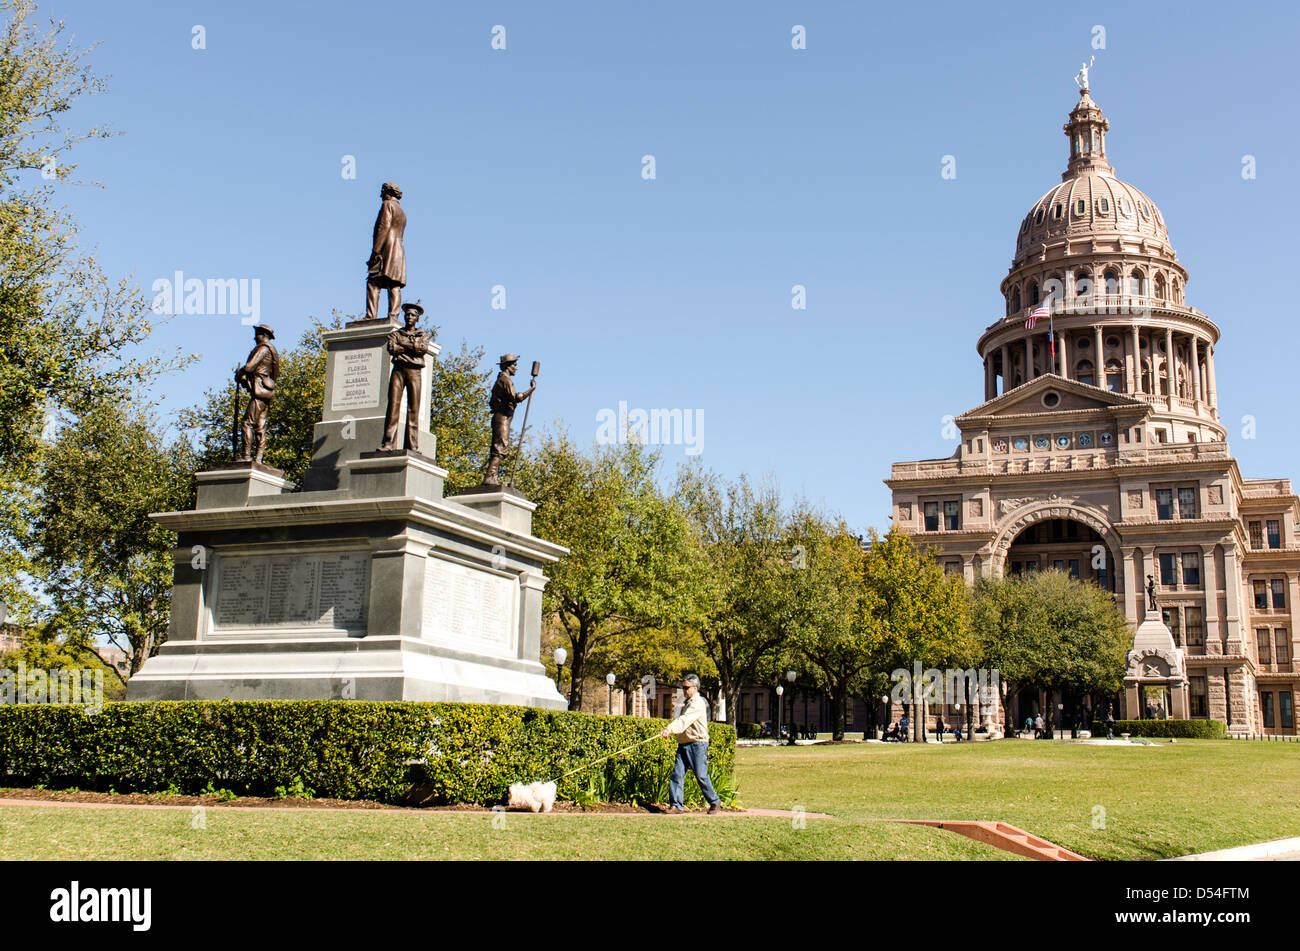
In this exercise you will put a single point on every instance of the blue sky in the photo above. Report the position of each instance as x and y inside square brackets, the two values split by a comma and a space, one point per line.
[774, 167]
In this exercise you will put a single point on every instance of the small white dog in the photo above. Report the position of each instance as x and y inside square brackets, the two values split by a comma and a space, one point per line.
[539, 797]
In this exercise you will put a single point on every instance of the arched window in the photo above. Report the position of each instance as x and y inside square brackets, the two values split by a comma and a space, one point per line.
[1033, 293]
[1111, 278]
[1082, 284]
[1114, 376]
[1177, 295]
[1160, 287]
[1015, 300]
[1135, 283]
[1083, 372]
[1146, 375]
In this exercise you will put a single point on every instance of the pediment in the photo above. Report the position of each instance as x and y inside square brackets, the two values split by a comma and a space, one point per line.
[1050, 395]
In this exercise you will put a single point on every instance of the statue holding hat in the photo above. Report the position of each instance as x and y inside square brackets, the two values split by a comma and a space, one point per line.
[503, 401]
[408, 346]
[258, 375]
[386, 266]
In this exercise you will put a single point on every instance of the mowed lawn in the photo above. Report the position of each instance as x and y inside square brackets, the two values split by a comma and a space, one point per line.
[1158, 801]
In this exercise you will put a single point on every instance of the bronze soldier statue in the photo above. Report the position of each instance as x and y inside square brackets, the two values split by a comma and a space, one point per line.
[503, 401]
[387, 262]
[1151, 592]
[258, 376]
[408, 346]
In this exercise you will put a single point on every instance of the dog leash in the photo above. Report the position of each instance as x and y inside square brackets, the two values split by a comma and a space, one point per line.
[606, 756]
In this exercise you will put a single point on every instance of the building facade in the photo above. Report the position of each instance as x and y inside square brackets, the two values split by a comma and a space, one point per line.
[1101, 452]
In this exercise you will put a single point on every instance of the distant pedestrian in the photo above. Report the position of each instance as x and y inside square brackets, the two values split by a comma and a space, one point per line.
[1040, 728]
[692, 732]
[1029, 724]
[903, 726]
[938, 729]
[1110, 725]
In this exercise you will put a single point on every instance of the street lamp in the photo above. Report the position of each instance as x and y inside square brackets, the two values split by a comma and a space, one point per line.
[1060, 717]
[609, 679]
[790, 675]
[779, 690]
[889, 714]
[560, 655]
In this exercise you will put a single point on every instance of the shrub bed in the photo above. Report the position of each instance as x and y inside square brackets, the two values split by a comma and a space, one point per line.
[1189, 729]
[749, 731]
[343, 749]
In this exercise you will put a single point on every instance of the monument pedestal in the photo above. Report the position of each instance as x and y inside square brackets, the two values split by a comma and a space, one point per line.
[368, 585]
[1155, 661]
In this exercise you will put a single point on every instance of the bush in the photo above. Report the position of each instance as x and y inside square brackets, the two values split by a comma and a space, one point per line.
[340, 749]
[749, 731]
[1182, 729]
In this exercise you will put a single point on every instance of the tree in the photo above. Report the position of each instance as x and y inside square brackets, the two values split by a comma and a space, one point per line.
[634, 563]
[667, 655]
[1051, 632]
[66, 330]
[105, 568]
[924, 613]
[835, 631]
[747, 617]
[459, 396]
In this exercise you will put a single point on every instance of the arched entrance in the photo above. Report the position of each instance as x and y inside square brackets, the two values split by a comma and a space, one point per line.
[1060, 533]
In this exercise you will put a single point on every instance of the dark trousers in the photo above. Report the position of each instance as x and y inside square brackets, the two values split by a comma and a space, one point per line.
[404, 378]
[500, 447]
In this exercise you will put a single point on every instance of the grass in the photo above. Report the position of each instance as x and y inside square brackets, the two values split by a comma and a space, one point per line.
[1158, 801]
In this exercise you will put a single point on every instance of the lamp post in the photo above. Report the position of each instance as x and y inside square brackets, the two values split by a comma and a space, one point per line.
[889, 714]
[790, 676]
[1060, 717]
[609, 680]
[779, 690]
[560, 655]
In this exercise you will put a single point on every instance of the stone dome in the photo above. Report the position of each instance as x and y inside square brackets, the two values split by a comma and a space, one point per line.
[1091, 201]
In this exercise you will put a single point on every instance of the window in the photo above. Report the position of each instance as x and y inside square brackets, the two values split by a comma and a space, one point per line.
[1135, 283]
[1282, 645]
[1114, 376]
[1274, 534]
[1033, 292]
[1266, 702]
[1056, 213]
[1083, 371]
[1287, 717]
[1279, 593]
[931, 516]
[1197, 696]
[1038, 218]
[1074, 568]
[1105, 206]
[1031, 566]
[1170, 617]
[1058, 564]
[1164, 504]
[1081, 207]
[1112, 281]
[1195, 618]
[1263, 644]
[1169, 569]
[952, 567]
[1192, 569]
[1187, 502]
[1256, 534]
[950, 516]
[1261, 596]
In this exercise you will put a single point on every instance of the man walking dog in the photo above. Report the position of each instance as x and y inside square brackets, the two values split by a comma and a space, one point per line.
[692, 732]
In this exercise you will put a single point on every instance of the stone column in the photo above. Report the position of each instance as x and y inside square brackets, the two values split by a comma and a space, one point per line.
[1099, 360]
[968, 568]
[1006, 368]
[1031, 362]
[1130, 601]
[1065, 358]
[1137, 363]
[1171, 371]
[1209, 572]
[1196, 369]
[1209, 364]
[990, 383]
[1232, 582]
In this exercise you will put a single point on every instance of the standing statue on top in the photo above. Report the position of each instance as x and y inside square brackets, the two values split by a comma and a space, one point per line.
[503, 401]
[257, 375]
[387, 262]
[408, 346]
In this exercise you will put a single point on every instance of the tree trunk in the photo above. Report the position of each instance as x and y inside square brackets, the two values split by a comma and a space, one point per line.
[837, 715]
[970, 711]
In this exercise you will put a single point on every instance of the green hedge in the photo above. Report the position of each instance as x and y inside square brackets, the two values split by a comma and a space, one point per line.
[1182, 729]
[749, 731]
[342, 749]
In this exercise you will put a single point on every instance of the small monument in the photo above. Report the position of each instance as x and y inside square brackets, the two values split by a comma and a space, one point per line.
[368, 584]
[1155, 661]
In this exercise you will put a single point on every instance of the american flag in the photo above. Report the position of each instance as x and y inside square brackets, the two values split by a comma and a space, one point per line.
[1042, 313]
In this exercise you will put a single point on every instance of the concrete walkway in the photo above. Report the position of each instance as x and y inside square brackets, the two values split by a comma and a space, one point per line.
[1276, 850]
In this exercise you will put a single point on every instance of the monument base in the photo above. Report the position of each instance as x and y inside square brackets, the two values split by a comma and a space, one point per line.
[369, 668]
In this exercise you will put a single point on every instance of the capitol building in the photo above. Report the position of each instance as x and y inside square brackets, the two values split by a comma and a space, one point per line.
[1102, 454]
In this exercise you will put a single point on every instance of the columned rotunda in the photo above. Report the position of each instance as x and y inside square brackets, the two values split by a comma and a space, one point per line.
[1108, 459]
